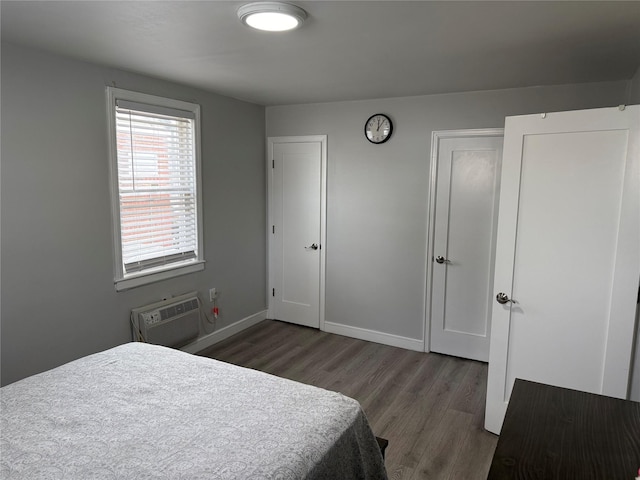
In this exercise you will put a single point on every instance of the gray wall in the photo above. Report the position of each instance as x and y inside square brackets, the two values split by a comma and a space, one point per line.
[377, 195]
[634, 89]
[58, 300]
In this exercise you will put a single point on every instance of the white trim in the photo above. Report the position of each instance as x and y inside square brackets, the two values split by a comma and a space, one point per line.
[323, 215]
[123, 281]
[113, 185]
[152, 277]
[323, 228]
[225, 332]
[374, 336]
[433, 178]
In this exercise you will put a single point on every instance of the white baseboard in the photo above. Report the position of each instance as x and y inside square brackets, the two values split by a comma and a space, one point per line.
[225, 332]
[374, 336]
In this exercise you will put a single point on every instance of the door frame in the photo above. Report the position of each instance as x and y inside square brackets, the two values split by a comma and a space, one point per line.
[271, 141]
[436, 136]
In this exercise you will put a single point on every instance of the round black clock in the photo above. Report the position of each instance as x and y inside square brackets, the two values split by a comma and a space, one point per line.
[378, 128]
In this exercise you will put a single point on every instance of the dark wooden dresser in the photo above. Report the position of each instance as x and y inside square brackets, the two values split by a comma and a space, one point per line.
[557, 433]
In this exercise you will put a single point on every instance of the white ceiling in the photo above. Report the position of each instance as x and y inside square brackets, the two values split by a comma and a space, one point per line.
[347, 50]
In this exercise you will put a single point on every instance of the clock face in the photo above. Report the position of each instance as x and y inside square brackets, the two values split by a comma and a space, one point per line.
[378, 128]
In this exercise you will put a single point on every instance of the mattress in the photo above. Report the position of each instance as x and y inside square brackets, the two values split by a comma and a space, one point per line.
[141, 411]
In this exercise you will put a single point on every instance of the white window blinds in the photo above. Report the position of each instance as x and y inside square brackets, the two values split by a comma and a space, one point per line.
[157, 185]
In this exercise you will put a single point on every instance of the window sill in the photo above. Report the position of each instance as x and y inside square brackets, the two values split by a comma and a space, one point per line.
[133, 281]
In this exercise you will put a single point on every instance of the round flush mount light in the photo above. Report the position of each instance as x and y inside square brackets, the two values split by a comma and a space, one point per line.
[272, 16]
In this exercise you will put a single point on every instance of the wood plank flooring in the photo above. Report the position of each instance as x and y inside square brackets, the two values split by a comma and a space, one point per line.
[429, 406]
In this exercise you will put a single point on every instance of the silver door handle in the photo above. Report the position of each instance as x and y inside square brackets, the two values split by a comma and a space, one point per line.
[313, 246]
[503, 298]
[441, 259]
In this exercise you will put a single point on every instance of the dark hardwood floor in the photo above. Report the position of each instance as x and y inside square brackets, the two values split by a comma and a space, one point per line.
[429, 406]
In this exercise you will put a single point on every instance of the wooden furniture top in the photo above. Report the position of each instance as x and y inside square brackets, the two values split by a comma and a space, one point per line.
[558, 433]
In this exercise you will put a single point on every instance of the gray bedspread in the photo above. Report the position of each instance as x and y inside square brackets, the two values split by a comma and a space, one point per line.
[142, 411]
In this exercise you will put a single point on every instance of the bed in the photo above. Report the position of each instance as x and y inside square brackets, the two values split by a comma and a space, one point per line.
[141, 411]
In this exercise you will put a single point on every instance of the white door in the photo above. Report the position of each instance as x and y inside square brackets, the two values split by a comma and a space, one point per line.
[465, 186]
[567, 255]
[297, 167]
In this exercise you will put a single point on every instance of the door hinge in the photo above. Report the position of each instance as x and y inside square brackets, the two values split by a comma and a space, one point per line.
[273, 164]
[273, 292]
[273, 229]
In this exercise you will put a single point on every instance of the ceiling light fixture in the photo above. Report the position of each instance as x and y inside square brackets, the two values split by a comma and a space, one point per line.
[272, 16]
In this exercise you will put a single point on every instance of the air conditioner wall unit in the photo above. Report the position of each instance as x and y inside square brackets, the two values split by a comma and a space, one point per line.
[174, 322]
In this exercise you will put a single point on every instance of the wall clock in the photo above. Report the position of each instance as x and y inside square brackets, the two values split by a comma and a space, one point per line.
[378, 128]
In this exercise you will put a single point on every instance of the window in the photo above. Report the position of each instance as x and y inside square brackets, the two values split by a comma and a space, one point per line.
[155, 184]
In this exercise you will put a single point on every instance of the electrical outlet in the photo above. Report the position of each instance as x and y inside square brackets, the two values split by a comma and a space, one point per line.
[212, 294]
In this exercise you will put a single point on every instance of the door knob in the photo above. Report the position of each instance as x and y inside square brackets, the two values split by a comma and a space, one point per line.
[503, 298]
[313, 246]
[441, 259]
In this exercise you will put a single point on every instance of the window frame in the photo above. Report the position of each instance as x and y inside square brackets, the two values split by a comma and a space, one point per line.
[123, 280]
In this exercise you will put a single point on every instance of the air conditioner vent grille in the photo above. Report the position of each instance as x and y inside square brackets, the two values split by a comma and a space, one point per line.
[179, 309]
